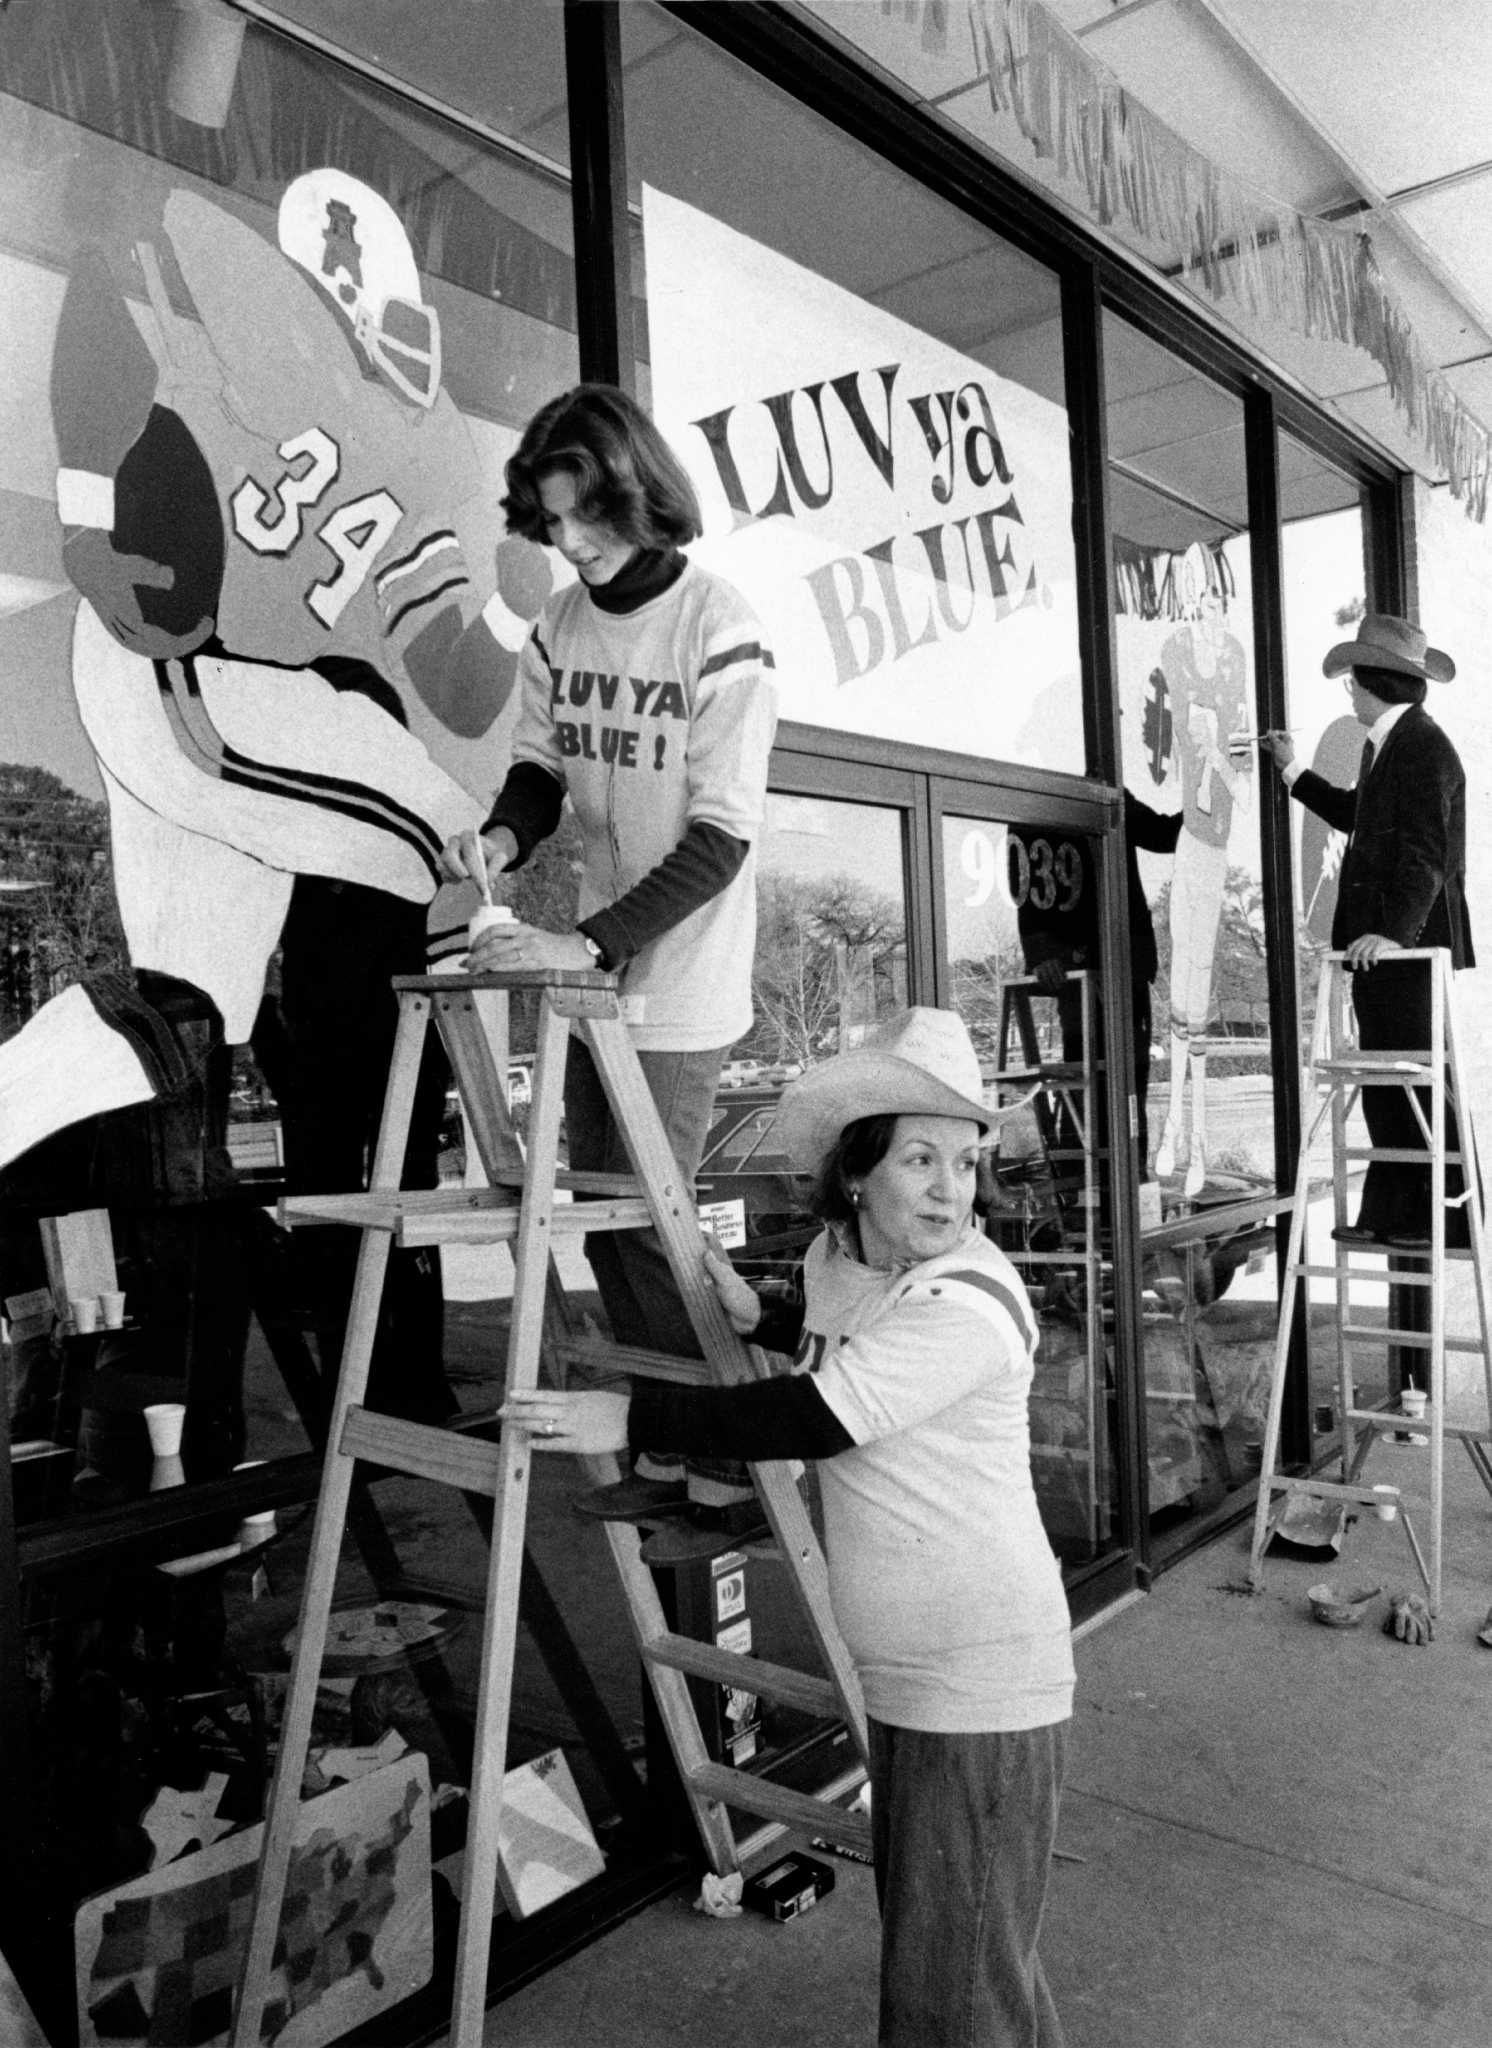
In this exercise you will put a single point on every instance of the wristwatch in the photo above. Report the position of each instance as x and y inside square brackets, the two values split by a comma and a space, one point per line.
[593, 949]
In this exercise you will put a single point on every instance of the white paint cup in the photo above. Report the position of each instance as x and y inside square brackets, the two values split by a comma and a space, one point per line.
[1412, 1402]
[165, 1420]
[484, 917]
[111, 1304]
[1386, 1507]
[167, 1471]
[256, 1529]
[84, 1312]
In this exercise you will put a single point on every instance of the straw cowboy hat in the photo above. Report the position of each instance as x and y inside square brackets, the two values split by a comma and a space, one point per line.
[918, 1062]
[1384, 641]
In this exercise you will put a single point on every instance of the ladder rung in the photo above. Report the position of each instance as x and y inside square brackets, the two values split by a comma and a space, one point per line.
[1400, 1155]
[383, 1209]
[615, 1184]
[1419, 1425]
[751, 1674]
[751, 1794]
[464, 1215]
[1385, 1066]
[834, 1826]
[1419, 1340]
[1328, 1489]
[422, 1451]
[610, 1360]
[499, 1226]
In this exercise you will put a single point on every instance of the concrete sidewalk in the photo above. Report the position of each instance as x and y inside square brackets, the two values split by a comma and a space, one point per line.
[1272, 1833]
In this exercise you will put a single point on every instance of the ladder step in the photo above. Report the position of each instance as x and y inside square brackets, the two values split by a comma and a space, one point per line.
[777, 1802]
[750, 1674]
[422, 1450]
[1387, 1066]
[498, 1226]
[614, 1184]
[834, 1824]
[1329, 1489]
[1409, 1339]
[602, 1361]
[460, 1215]
[1420, 1425]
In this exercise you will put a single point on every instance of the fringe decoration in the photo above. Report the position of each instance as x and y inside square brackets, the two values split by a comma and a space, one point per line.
[1148, 581]
[1233, 242]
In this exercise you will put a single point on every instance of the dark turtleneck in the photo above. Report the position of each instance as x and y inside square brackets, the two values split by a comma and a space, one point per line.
[645, 575]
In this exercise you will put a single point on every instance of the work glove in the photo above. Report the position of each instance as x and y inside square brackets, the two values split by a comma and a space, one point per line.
[1409, 1619]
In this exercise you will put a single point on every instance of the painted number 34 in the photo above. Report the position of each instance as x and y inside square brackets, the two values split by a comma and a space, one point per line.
[272, 521]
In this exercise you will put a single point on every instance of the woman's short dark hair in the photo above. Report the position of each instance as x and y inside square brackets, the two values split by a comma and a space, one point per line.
[859, 1147]
[624, 470]
[1390, 685]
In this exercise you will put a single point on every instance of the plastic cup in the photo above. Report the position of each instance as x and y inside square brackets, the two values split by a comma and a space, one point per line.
[165, 1420]
[84, 1311]
[111, 1306]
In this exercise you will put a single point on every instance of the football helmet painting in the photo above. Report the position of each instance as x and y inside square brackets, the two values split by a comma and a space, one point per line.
[348, 238]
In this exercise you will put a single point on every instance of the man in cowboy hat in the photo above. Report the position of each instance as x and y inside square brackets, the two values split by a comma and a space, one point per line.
[1402, 884]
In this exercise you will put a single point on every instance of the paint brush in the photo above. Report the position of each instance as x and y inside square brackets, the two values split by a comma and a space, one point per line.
[476, 863]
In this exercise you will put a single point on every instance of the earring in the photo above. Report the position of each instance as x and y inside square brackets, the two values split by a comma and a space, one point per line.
[854, 1198]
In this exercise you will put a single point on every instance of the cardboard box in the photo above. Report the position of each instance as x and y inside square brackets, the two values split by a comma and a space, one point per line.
[79, 1250]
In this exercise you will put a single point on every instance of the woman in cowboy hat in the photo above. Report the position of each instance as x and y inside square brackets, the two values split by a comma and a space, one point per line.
[1402, 884]
[914, 1347]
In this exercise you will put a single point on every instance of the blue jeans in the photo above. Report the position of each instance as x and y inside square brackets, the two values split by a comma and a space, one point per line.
[963, 1828]
[633, 1276]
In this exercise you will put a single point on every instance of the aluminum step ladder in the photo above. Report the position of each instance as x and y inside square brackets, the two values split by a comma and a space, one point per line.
[1432, 1079]
[519, 1208]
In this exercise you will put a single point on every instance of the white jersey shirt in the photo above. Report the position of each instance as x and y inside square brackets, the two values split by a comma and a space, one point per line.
[655, 720]
[942, 1579]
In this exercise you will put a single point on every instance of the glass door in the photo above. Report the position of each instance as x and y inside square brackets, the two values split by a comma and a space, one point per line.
[1019, 917]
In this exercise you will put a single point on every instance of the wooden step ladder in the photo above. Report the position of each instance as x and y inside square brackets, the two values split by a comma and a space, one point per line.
[519, 1208]
[1337, 1075]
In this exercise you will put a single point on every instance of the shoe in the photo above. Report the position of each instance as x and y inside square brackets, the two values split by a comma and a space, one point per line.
[1409, 1436]
[1356, 1233]
[1406, 1240]
[634, 1500]
[704, 1533]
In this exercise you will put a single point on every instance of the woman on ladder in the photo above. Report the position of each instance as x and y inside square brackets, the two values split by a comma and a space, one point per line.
[647, 698]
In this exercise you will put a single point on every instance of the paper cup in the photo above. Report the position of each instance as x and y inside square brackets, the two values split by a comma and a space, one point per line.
[166, 1471]
[256, 1529]
[484, 917]
[1412, 1401]
[84, 1312]
[111, 1305]
[164, 1420]
[1385, 1507]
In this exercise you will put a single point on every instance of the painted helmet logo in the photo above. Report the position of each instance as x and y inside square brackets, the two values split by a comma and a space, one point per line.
[348, 238]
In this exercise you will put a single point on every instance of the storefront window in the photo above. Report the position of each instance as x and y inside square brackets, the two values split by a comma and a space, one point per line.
[1325, 591]
[868, 389]
[1190, 763]
[272, 332]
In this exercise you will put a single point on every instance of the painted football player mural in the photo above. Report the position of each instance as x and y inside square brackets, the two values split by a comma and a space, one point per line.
[1205, 675]
[287, 557]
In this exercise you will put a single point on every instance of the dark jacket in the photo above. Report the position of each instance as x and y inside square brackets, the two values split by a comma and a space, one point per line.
[1404, 871]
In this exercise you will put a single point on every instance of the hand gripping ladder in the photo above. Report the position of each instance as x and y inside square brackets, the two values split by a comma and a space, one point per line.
[519, 1208]
[1432, 1079]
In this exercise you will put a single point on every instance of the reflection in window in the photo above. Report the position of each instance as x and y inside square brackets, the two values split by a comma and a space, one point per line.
[876, 424]
[1022, 921]
[831, 928]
